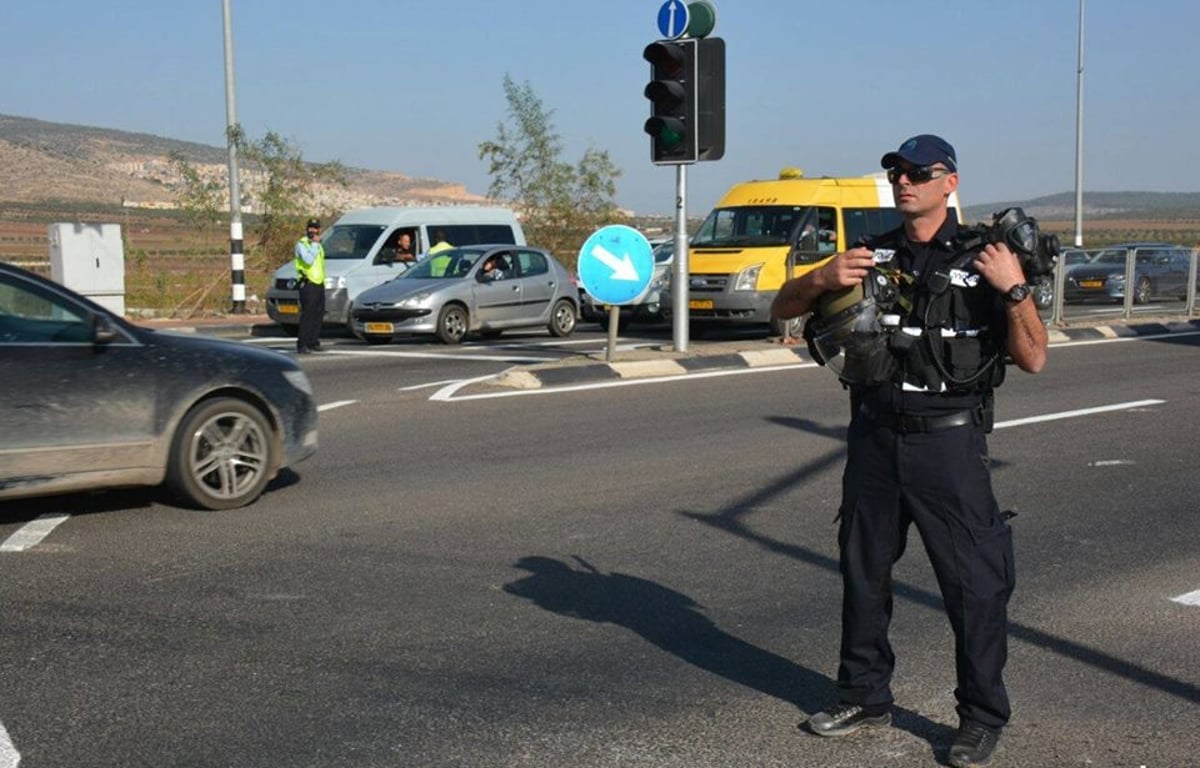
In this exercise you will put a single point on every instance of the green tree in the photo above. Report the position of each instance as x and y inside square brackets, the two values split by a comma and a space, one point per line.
[199, 198]
[560, 204]
[284, 188]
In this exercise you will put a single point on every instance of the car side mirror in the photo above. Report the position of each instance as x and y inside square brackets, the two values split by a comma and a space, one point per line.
[103, 331]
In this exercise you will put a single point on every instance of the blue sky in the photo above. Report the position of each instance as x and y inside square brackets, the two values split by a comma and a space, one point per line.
[414, 87]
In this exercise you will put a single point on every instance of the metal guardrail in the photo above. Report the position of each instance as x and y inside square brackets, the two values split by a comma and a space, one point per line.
[1059, 315]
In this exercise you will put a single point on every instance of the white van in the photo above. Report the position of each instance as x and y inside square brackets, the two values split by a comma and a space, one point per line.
[360, 252]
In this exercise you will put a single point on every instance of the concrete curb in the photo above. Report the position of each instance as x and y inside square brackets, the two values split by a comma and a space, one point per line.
[661, 362]
[665, 362]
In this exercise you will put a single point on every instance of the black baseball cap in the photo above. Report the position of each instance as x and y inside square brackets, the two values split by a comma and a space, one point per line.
[925, 149]
[313, 224]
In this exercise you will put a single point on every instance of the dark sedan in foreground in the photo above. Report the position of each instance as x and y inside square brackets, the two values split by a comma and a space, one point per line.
[90, 401]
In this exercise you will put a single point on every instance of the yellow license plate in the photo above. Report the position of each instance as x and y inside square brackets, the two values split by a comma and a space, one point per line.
[700, 304]
[1091, 283]
[378, 327]
[289, 309]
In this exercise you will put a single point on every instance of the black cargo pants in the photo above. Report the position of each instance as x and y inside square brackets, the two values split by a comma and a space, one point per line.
[941, 481]
[312, 314]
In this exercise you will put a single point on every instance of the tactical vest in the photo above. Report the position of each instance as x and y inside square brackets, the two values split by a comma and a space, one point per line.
[947, 341]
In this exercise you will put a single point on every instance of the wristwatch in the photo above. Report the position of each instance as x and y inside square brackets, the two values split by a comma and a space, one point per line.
[1017, 293]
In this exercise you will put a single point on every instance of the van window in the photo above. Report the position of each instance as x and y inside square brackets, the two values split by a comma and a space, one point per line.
[748, 226]
[350, 241]
[863, 222]
[477, 234]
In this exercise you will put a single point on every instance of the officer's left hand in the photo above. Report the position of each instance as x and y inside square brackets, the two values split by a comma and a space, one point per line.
[999, 266]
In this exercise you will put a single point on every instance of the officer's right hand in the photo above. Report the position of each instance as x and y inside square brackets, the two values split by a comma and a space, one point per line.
[847, 268]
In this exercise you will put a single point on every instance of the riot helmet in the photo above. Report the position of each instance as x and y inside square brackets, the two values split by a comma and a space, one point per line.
[849, 329]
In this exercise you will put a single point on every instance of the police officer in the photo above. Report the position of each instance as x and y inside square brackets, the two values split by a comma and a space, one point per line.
[917, 451]
[310, 273]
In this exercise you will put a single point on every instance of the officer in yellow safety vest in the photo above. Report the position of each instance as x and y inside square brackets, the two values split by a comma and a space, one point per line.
[310, 280]
[438, 261]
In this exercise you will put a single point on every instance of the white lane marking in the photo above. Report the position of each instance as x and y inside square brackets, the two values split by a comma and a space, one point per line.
[338, 404]
[1191, 598]
[446, 394]
[32, 533]
[1109, 463]
[9, 756]
[1149, 337]
[428, 385]
[1079, 412]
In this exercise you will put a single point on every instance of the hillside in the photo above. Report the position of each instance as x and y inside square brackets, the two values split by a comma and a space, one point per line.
[60, 162]
[1100, 205]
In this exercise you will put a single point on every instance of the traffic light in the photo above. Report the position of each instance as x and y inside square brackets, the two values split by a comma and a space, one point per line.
[672, 94]
[687, 100]
[710, 98]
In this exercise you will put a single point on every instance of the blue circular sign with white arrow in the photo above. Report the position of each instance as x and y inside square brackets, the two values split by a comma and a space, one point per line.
[672, 19]
[615, 264]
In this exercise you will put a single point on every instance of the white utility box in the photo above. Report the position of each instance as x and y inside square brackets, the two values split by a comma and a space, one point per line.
[90, 259]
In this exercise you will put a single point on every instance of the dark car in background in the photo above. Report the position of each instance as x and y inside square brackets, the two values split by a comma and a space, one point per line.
[1160, 270]
[649, 308]
[91, 401]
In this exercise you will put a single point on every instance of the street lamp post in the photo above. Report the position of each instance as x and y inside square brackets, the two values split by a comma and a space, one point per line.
[237, 257]
[1079, 138]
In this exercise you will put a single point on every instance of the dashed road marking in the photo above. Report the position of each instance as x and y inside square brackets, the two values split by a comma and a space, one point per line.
[30, 535]
[1191, 598]
[336, 404]
[9, 756]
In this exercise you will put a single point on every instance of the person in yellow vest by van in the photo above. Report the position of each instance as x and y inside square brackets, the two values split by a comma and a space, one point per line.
[437, 259]
[310, 280]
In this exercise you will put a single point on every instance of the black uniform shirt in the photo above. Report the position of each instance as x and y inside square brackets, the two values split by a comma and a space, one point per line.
[920, 260]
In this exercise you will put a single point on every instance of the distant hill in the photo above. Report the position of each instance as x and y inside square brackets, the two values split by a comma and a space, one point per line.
[60, 162]
[46, 161]
[1100, 205]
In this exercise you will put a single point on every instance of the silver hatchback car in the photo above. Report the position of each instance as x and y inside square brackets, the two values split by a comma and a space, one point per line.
[484, 289]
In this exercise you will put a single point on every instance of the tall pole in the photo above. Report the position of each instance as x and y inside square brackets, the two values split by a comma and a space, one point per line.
[679, 274]
[1079, 138]
[237, 259]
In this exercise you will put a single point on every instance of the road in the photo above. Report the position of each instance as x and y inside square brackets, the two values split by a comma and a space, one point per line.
[632, 576]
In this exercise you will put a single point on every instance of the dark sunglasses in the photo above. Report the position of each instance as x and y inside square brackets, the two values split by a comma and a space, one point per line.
[917, 175]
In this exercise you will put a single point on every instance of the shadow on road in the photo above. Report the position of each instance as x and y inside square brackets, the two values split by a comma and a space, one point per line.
[731, 519]
[676, 623]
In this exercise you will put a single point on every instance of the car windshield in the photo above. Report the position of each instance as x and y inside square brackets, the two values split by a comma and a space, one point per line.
[1117, 256]
[749, 226]
[663, 252]
[451, 264]
[350, 241]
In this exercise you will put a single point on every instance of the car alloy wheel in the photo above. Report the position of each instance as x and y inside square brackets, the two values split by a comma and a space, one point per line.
[223, 455]
[1143, 292]
[562, 318]
[452, 324]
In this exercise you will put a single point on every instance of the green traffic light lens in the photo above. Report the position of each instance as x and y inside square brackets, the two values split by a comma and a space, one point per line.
[670, 138]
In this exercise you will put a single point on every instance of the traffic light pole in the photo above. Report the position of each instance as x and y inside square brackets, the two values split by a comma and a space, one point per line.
[679, 276]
